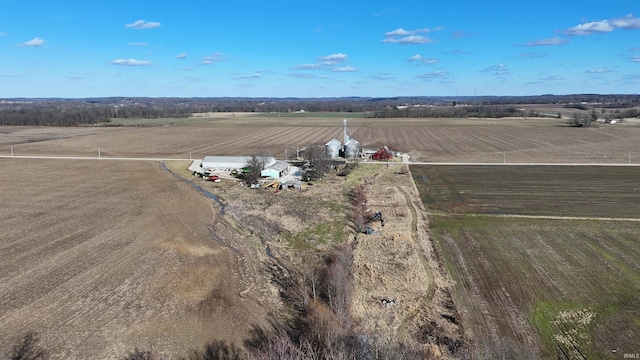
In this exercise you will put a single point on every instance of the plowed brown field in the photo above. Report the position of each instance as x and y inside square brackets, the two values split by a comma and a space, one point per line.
[103, 257]
[100, 257]
[437, 140]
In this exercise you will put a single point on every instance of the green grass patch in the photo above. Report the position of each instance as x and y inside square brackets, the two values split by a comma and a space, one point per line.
[360, 172]
[325, 233]
[565, 329]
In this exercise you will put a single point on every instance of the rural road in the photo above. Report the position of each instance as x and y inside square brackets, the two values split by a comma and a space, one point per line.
[377, 162]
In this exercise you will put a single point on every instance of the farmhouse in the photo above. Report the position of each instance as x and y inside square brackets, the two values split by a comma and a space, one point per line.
[231, 162]
[276, 170]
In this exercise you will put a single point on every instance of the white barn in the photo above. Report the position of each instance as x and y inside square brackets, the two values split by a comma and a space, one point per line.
[230, 162]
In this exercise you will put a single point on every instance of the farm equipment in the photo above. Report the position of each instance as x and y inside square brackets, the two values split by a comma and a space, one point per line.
[275, 184]
[369, 231]
[377, 217]
[214, 178]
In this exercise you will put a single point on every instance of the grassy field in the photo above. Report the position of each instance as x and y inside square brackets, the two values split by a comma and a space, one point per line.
[570, 288]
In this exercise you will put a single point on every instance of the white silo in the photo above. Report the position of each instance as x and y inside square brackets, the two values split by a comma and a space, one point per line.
[351, 148]
[332, 148]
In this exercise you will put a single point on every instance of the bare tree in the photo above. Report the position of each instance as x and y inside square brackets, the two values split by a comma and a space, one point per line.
[318, 160]
[255, 165]
[359, 212]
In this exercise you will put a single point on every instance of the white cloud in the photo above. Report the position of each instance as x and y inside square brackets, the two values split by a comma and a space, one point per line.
[409, 40]
[589, 28]
[626, 22]
[135, 43]
[499, 69]
[635, 58]
[141, 24]
[434, 75]
[308, 67]
[9, 75]
[213, 58]
[3, 34]
[402, 36]
[182, 56]
[345, 69]
[35, 42]
[131, 62]
[325, 62]
[423, 60]
[399, 32]
[333, 59]
[308, 76]
[597, 71]
[548, 42]
[597, 27]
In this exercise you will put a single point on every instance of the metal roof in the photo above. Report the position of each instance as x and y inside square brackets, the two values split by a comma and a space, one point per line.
[278, 166]
[334, 141]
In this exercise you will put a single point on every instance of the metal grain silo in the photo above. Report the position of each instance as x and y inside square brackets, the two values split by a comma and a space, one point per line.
[332, 148]
[351, 148]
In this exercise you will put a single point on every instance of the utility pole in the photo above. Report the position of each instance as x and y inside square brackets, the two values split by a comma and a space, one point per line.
[98, 153]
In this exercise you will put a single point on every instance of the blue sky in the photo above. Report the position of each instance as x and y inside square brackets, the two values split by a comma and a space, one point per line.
[283, 48]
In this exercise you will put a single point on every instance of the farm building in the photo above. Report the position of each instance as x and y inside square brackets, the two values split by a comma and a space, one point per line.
[382, 154]
[230, 162]
[276, 170]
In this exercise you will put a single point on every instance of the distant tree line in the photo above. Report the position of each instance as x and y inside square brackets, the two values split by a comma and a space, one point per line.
[73, 112]
[481, 111]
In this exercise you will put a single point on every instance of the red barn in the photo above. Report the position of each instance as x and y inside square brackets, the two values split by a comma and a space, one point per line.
[382, 154]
